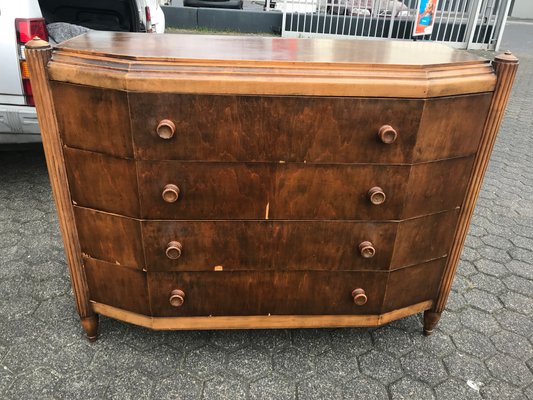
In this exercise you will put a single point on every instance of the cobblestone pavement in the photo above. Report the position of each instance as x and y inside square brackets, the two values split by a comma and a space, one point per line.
[482, 349]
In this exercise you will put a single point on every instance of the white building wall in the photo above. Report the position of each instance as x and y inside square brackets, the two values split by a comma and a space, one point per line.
[522, 9]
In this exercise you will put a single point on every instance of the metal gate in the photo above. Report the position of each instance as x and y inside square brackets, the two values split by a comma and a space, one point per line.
[468, 24]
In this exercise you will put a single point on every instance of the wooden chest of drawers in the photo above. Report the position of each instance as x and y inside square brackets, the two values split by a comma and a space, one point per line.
[208, 182]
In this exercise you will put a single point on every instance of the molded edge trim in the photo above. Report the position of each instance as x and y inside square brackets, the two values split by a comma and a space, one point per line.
[339, 81]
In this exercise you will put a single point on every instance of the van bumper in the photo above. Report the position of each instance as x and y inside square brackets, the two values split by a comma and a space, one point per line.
[18, 124]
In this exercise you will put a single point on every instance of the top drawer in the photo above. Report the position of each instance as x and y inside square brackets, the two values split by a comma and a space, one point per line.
[290, 129]
[270, 128]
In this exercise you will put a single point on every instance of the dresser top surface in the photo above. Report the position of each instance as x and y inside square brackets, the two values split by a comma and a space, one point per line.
[265, 50]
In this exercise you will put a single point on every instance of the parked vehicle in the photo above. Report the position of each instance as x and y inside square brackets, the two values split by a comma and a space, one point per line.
[55, 20]
[232, 4]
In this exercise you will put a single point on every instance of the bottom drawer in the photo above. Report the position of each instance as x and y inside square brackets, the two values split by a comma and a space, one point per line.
[267, 292]
[239, 293]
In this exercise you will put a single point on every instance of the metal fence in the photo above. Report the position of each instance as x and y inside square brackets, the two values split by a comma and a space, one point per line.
[472, 24]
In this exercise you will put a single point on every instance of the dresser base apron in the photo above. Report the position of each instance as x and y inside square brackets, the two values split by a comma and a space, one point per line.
[258, 321]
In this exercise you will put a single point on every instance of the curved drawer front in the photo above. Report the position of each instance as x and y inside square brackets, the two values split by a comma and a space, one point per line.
[263, 245]
[291, 292]
[270, 191]
[220, 191]
[291, 129]
[265, 293]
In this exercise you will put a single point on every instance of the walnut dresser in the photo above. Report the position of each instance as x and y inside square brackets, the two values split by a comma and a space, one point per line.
[207, 182]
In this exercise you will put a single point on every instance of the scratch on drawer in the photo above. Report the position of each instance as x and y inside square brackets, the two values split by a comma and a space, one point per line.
[267, 209]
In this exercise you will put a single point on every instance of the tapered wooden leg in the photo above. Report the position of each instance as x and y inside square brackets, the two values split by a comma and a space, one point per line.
[431, 318]
[90, 325]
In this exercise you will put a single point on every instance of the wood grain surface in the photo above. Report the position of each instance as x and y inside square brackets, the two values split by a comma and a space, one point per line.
[252, 128]
[266, 292]
[93, 118]
[120, 287]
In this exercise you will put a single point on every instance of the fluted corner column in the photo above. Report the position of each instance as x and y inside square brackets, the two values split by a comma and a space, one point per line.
[505, 66]
[38, 54]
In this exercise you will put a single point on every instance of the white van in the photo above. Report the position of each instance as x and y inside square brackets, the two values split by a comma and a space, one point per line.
[21, 20]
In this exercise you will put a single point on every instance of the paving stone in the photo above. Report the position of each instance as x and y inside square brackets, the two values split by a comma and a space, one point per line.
[520, 268]
[519, 285]
[319, 389]
[250, 363]
[465, 267]
[424, 367]
[272, 388]
[456, 301]
[495, 255]
[517, 302]
[312, 341]
[473, 343]
[483, 300]
[365, 388]
[487, 283]
[412, 323]
[501, 391]
[455, 389]
[28, 355]
[510, 370]
[6, 379]
[408, 389]
[271, 339]
[497, 242]
[381, 366]
[162, 360]
[178, 386]
[392, 340]
[293, 363]
[515, 322]
[187, 340]
[110, 359]
[460, 283]
[230, 340]
[337, 364]
[479, 321]
[144, 339]
[438, 343]
[60, 307]
[66, 359]
[491, 267]
[39, 380]
[206, 361]
[133, 385]
[87, 385]
[224, 388]
[520, 254]
[449, 322]
[466, 367]
[529, 392]
[354, 341]
[515, 345]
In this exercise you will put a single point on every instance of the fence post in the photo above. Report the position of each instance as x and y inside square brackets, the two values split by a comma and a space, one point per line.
[501, 21]
[472, 22]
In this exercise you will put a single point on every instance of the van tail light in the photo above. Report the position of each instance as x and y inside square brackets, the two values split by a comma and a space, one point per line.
[27, 29]
[148, 19]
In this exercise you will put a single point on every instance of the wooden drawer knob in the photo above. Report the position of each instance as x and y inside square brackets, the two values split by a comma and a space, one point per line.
[177, 297]
[376, 195]
[166, 129]
[171, 193]
[173, 250]
[387, 134]
[359, 296]
[367, 249]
